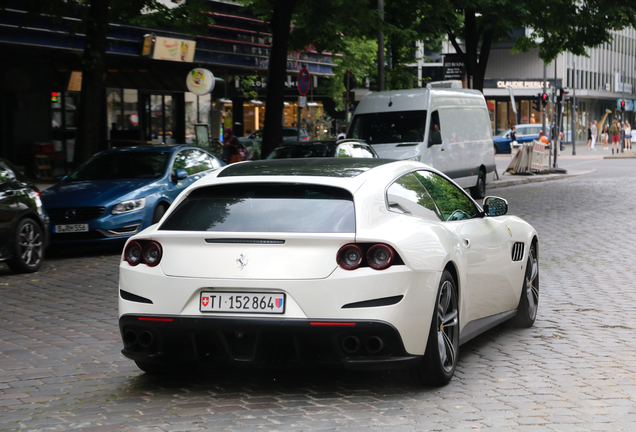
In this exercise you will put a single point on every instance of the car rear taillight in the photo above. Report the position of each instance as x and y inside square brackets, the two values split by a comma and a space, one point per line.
[305, 138]
[380, 256]
[132, 254]
[152, 253]
[349, 257]
[143, 251]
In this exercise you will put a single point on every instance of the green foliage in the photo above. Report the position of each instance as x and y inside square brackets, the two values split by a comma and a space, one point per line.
[359, 55]
[246, 84]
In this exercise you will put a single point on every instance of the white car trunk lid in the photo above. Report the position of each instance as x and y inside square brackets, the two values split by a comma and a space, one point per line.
[250, 255]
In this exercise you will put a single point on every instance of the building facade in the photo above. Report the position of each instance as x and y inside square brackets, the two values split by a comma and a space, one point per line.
[599, 81]
[146, 99]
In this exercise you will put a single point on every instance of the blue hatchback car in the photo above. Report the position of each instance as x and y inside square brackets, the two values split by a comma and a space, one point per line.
[120, 192]
[525, 133]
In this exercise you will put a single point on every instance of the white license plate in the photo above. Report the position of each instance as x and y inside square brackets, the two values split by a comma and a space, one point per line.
[242, 302]
[71, 228]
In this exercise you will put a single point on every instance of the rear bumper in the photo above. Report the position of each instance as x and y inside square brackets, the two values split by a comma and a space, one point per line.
[264, 342]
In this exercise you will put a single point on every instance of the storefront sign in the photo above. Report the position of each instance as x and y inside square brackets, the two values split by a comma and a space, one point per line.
[454, 69]
[520, 84]
[200, 81]
[75, 81]
[163, 48]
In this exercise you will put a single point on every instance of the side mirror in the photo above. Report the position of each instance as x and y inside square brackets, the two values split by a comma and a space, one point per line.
[179, 174]
[64, 179]
[495, 206]
[434, 138]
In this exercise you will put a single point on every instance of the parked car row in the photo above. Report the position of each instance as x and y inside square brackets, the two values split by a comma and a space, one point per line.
[115, 195]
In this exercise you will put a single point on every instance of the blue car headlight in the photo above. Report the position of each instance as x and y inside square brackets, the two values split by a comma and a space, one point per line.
[129, 206]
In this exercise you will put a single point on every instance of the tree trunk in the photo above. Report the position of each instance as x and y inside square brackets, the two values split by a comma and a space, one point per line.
[486, 45]
[93, 69]
[277, 74]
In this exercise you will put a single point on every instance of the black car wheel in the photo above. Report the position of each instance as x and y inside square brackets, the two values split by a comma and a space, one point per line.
[529, 301]
[28, 247]
[442, 347]
[160, 210]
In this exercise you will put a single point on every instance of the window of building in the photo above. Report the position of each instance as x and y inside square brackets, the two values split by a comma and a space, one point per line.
[253, 117]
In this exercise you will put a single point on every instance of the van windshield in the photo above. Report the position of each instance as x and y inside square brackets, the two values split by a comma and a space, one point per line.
[389, 127]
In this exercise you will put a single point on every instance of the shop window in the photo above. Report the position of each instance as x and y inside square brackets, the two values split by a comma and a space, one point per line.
[122, 114]
[502, 117]
[253, 117]
[64, 110]
[312, 119]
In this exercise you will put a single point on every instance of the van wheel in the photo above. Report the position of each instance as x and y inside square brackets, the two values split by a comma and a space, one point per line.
[479, 190]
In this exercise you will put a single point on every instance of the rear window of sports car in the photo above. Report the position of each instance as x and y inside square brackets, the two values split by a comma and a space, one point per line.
[265, 207]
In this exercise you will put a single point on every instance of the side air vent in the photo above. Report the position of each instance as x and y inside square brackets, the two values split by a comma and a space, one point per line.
[517, 251]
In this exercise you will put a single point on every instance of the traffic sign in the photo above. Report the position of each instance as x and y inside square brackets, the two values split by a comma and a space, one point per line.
[303, 81]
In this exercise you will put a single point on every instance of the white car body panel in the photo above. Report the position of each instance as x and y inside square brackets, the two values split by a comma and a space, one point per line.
[305, 267]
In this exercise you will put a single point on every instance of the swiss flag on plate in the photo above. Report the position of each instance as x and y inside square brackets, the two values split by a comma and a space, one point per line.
[205, 301]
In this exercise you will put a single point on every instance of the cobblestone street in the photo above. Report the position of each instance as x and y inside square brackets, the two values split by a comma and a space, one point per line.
[575, 370]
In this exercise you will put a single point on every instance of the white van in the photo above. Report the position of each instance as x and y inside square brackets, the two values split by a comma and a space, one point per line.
[447, 128]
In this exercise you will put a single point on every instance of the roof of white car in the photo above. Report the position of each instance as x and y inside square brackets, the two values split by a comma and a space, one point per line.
[306, 167]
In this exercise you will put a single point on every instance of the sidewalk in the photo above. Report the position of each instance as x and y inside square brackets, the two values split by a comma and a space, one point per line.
[517, 179]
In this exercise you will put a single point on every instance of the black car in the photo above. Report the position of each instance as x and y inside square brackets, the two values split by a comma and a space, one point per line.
[23, 222]
[324, 148]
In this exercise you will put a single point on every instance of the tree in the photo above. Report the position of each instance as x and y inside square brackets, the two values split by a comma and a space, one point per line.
[189, 17]
[359, 57]
[557, 26]
[320, 24]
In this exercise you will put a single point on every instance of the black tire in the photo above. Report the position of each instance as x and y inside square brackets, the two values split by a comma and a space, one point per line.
[28, 247]
[479, 190]
[529, 301]
[160, 210]
[442, 347]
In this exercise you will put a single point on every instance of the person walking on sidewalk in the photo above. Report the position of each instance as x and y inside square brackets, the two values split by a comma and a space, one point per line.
[594, 134]
[628, 136]
[605, 136]
[589, 136]
[615, 134]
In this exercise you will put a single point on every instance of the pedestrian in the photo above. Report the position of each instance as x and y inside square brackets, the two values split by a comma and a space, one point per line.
[589, 136]
[236, 154]
[594, 134]
[628, 136]
[230, 143]
[513, 135]
[343, 132]
[615, 134]
[605, 137]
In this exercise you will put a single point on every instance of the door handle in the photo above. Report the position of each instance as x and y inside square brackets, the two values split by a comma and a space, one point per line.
[467, 243]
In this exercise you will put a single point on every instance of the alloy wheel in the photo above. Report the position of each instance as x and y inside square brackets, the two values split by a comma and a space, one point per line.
[447, 323]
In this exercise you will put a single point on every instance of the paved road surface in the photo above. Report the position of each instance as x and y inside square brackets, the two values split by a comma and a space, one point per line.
[60, 366]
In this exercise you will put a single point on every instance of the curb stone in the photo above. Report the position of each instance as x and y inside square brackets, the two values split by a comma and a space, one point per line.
[513, 180]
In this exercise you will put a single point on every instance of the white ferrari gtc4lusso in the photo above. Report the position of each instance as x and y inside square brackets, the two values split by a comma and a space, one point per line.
[365, 263]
